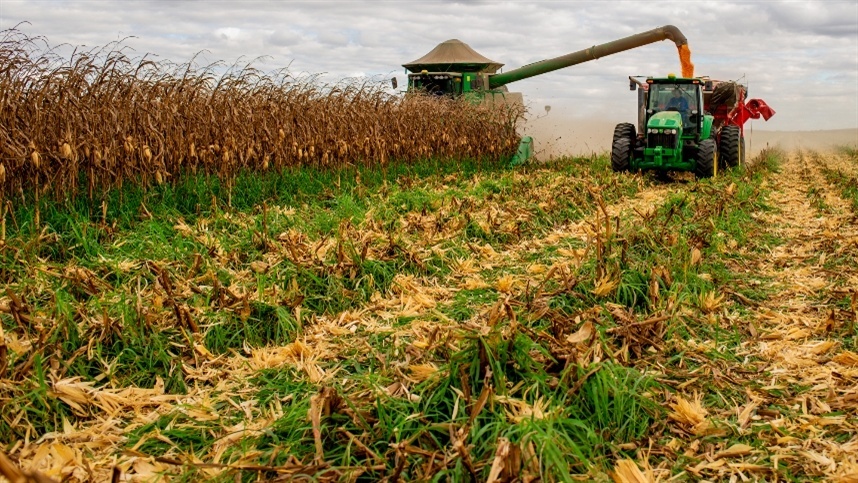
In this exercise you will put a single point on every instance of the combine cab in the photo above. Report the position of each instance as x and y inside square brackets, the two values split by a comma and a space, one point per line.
[686, 124]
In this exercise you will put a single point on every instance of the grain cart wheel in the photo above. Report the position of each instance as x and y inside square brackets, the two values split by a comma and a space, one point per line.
[624, 129]
[621, 154]
[730, 148]
[706, 164]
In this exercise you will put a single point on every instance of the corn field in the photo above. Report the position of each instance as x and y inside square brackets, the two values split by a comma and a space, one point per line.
[100, 118]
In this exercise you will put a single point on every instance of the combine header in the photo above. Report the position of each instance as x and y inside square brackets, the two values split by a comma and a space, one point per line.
[686, 124]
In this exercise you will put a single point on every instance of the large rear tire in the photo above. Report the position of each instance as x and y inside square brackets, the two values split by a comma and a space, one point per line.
[621, 154]
[730, 147]
[706, 164]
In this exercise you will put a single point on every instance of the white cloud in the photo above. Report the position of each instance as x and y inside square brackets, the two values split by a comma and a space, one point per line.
[800, 56]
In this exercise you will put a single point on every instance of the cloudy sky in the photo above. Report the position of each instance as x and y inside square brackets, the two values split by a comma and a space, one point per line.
[799, 56]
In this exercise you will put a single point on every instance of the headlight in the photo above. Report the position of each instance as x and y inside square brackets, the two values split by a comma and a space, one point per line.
[673, 131]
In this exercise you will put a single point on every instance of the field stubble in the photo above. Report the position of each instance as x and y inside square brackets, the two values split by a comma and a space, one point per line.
[554, 321]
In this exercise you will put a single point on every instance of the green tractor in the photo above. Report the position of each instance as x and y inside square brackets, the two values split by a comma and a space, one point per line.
[686, 124]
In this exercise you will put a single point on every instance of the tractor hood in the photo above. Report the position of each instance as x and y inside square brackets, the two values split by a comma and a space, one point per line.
[665, 120]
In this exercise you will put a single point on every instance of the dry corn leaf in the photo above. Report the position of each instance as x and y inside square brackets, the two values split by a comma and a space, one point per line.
[821, 459]
[846, 358]
[627, 471]
[465, 266]
[518, 410]
[695, 256]
[690, 414]
[738, 449]
[422, 372]
[583, 334]
[576, 253]
[536, 268]
[821, 347]
[709, 302]
[746, 413]
[505, 284]
[474, 283]
[499, 460]
[259, 266]
[605, 286]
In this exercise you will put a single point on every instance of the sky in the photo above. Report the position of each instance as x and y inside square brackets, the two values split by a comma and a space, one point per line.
[801, 57]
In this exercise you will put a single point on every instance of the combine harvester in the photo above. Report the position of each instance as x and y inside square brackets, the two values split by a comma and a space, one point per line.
[686, 124]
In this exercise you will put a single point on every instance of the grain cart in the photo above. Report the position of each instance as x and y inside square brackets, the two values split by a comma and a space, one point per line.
[686, 124]
[455, 69]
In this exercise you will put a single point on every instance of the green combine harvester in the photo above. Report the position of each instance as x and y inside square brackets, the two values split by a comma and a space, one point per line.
[455, 69]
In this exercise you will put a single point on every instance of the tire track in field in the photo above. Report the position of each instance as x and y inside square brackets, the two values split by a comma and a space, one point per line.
[804, 326]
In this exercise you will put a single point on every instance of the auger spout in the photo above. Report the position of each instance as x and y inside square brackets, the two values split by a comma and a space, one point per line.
[667, 32]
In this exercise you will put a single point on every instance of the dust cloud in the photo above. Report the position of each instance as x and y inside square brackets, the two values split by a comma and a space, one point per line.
[757, 140]
[556, 136]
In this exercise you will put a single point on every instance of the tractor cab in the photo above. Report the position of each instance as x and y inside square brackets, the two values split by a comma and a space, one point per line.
[675, 103]
[672, 106]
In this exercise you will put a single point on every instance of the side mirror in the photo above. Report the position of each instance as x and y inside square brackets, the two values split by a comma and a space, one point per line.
[394, 83]
[632, 85]
[694, 117]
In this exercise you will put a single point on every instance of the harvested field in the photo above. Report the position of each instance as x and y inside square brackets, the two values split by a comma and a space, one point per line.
[557, 322]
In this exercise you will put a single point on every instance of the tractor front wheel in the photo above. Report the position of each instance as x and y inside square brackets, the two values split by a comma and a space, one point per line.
[706, 164]
[621, 154]
[624, 130]
[730, 147]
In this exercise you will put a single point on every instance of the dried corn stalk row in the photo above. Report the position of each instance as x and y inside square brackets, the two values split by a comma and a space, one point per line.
[113, 119]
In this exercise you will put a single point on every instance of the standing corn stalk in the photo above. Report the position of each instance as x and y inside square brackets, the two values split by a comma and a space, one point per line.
[112, 119]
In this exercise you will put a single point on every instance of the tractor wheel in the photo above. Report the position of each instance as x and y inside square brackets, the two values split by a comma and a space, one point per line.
[624, 129]
[706, 164]
[730, 147]
[621, 154]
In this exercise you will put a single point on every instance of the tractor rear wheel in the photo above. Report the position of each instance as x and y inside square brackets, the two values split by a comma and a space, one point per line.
[706, 164]
[621, 154]
[730, 147]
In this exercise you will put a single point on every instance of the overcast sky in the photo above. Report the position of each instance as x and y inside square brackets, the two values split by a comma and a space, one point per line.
[799, 56]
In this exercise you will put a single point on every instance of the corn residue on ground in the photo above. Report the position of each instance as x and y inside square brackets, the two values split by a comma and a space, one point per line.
[557, 321]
